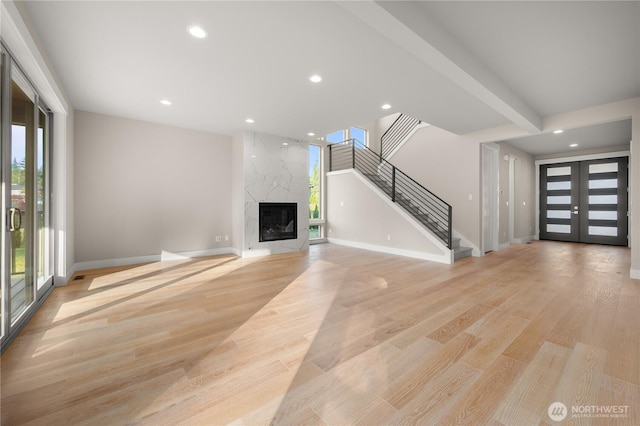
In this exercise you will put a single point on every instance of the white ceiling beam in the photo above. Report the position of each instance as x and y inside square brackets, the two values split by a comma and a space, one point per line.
[407, 24]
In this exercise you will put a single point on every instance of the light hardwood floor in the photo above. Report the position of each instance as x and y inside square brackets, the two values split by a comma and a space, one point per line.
[334, 336]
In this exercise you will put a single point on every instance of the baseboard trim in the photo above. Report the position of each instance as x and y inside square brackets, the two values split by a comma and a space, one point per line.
[446, 258]
[634, 274]
[523, 240]
[503, 246]
[255, 253]
[137, 260]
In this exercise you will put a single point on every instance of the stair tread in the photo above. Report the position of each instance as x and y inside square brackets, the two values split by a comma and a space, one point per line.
[461, 252]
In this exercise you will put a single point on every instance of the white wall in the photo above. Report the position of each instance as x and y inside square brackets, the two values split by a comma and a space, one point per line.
[143, 188]
[524, 195]
[360, 216]
[634, 192]
[276, 169]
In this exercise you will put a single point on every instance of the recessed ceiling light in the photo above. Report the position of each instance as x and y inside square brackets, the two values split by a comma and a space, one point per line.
[166, 102]
[557, 132]
[386, 106]
[197, 31]
[284, 144]
[311, 134]
[249, 120]
[315, 78]
[573, 145]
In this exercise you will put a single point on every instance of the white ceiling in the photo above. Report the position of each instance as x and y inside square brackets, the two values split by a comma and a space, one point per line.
[614, 134]
[461, 66]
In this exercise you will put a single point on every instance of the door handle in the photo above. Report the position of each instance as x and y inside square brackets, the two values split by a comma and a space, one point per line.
[14, 213]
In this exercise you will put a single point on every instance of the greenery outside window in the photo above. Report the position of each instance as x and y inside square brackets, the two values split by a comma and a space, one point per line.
[316, 216]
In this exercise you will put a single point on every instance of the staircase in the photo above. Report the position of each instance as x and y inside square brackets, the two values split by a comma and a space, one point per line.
[460, 252]
[429, 210]
[396, 134]
[421, 216]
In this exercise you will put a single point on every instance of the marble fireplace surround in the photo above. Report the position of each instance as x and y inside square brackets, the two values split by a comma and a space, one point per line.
[276, 170]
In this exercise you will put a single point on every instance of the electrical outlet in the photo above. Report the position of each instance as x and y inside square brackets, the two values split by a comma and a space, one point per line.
[218, 238]
[226, 238]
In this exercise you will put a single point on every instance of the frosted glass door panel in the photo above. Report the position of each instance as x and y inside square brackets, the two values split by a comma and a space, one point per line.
[603, 199]
[604, 183]
[603, 231]
[559, 200]
[603, 168]
[559, 214]
[553, 186]
[561, 229]
[559, 171]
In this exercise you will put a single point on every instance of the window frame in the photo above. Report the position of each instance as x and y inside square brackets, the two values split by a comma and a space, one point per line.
[321, 221]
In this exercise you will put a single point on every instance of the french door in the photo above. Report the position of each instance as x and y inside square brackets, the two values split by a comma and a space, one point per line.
[24, 160]
[585, 201]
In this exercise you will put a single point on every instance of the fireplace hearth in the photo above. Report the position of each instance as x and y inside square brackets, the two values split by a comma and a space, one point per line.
[278, 221]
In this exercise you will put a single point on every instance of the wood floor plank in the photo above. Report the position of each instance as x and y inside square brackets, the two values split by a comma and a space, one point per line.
[527, 400]
[442, 393]
[482, 399]
[504, 329]
[459, 323]
[335, 335]
[526, 345]
[404, 389]
[615, 392]
[581, 377]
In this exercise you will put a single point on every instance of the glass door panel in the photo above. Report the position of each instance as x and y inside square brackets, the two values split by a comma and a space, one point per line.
[21, 209]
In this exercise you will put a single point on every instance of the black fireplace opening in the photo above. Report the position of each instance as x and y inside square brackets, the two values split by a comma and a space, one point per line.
[278, 221]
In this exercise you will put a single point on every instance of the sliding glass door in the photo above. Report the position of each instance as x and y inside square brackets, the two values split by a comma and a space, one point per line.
[26, 240]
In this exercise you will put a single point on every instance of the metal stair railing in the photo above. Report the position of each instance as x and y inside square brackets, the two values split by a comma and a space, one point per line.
[396, 134]
[426, 207]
